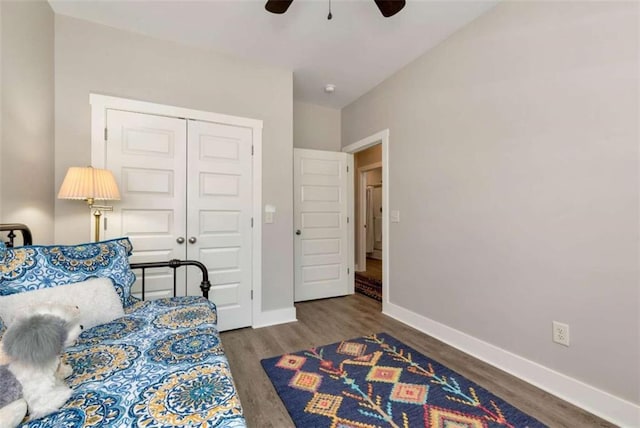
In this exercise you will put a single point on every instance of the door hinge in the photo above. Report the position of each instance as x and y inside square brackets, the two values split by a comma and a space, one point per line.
[252, 150]
[106, 133]
[347, 168]
[347, 219]
[251, 221]
[348, 271]
[105, 223]
[251, 294]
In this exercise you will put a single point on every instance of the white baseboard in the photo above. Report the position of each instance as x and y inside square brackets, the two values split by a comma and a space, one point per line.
[598, 402]
[273, 317]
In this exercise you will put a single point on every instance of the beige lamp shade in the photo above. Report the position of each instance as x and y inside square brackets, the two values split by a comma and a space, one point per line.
[89, 184]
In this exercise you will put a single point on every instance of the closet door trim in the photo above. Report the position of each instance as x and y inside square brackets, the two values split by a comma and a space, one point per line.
[100, 104]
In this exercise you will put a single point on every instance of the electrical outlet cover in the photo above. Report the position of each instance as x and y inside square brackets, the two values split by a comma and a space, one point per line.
[561, 333]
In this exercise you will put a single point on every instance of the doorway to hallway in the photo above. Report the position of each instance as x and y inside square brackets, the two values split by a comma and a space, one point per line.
[371, 212]
[369, 218]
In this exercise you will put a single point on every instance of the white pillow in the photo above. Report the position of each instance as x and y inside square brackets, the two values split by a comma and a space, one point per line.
[97, 299]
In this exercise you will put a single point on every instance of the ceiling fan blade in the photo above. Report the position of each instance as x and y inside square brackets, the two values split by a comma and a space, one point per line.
[278, 6]
[390, 7]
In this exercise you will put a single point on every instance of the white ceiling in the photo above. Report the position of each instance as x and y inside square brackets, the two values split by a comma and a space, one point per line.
[356, 50]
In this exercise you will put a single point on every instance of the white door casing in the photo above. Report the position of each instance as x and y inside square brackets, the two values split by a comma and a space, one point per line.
[381, 137]
[219, 216]
[147, 155]
[377, 222]
[322, 252]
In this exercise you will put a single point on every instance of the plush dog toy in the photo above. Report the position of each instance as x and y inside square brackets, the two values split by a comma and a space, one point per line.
[33, 344]
[12, 405]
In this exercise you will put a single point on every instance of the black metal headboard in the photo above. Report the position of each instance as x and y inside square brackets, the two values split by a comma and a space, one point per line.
[12, 228]
[205, 285]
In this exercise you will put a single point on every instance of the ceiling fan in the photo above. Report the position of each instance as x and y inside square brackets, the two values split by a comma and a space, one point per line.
[387, 7]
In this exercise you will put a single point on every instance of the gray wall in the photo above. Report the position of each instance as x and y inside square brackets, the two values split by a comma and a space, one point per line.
[94, 58]
[26, 144]
[514, 164]
[316, 127]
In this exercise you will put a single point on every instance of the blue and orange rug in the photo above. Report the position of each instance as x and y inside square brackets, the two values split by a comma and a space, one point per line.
[377, 381]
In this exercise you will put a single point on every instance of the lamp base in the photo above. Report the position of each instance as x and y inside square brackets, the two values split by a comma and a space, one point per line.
[96, 225]
[97, 214]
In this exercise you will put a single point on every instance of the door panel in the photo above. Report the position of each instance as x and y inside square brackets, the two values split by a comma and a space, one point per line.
[321, 220]
[147, 155]
[146, 181]
[220, 199]
[320, 206]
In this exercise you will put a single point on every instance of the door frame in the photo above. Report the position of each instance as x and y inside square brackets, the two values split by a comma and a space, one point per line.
[361, 263]
[381, 137]
[101, 103]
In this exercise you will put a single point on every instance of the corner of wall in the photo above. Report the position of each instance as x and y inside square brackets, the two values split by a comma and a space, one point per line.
[27, 99]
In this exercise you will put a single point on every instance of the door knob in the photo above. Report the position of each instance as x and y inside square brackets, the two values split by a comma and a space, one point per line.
[298, 232]
[192, 240]
[180, 240]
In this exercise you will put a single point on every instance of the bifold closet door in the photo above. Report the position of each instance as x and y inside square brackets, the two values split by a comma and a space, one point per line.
[186, 190]
[219, 207]
[147, 155]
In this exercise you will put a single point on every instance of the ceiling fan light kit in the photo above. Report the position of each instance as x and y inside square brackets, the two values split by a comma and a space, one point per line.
[388, 8]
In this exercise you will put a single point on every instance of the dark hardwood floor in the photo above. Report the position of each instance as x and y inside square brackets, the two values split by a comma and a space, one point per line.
[374, 269]
[322, 322]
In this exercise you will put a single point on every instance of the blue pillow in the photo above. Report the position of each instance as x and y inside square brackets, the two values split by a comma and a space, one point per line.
[2, 251]
[35, 267]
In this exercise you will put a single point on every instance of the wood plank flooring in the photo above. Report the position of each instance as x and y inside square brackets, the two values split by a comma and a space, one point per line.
[374, 269]
[322, 322]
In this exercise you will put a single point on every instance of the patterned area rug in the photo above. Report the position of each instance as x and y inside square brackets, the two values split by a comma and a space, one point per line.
[377, 381]
[370, 287]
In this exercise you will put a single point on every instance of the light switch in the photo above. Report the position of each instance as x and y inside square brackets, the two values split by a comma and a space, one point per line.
[395, 216]
[269, 211]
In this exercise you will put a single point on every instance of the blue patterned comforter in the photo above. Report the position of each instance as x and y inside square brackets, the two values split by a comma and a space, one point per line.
[162, 365]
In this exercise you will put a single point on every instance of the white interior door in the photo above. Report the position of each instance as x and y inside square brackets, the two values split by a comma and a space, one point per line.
[321, 244]
[219, 200]
[147, 155]
[377, 221]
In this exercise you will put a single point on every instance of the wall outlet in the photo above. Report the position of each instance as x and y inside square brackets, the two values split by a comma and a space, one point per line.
[561, 333]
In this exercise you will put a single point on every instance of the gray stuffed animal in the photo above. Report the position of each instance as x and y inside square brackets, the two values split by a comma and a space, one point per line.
[13, 408]
[33, 344]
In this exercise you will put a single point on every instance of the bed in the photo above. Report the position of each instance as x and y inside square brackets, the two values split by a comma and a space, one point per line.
[162, 364]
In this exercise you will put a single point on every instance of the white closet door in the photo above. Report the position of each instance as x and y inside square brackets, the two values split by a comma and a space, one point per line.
[147, 155]
[321, 245]
[219, 201]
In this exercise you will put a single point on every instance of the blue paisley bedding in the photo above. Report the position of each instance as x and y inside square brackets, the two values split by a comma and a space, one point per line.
[162, 365]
